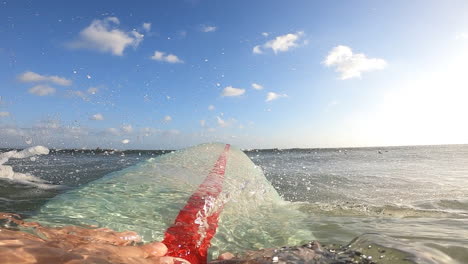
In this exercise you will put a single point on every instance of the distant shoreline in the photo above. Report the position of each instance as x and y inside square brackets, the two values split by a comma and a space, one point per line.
[163, 151]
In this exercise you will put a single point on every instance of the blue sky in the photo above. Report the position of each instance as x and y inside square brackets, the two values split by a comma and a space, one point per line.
[168, 74]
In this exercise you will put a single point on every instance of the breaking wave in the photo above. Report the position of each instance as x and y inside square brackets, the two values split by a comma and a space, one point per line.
[7, 172]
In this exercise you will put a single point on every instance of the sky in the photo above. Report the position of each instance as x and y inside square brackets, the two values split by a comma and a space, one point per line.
[256, 74]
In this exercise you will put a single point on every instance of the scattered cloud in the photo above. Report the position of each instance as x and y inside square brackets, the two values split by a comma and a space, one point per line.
[104, 36]
[281, 43]
[80, 94]
[127, 129]
[146, 27]
[257, 86]
[161, 56]
[4, 114]
[167, 118]
[30, 76]
[265, 34]
[231, 91]
[93, 90]
[42, 90]
[351, 65]
[257, 49]
[170, 132]
[112, 131]
[221, 122]
[125, 141]
[225, 123]
[57, 135]
[202, 123]
[182, 34]
[273, 96]
[83, 94]
[97, 117]
[205, 28]
[151, 131]
[211, 107]
[49, 124]
[43, 132]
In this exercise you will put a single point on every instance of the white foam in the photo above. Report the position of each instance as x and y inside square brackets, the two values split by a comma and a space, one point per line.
[25, 153]
[7, 172]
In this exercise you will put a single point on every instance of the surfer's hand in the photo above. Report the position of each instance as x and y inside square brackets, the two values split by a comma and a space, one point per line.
[156, 252]
[226, 256]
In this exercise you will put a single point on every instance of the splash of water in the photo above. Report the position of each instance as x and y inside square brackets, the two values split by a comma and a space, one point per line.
[147, 197]
[7, 172]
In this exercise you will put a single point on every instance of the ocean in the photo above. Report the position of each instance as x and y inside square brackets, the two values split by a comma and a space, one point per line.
[412, 200]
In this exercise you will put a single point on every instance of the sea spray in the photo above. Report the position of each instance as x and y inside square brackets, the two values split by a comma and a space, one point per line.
[147, 197]
[7, 172]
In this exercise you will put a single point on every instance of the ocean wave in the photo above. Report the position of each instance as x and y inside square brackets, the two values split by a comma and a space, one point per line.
[390, 210]
[7, 172]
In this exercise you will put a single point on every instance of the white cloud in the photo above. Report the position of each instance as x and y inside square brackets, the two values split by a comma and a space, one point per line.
[231, 91]
[221, 122]
[4, 114]
[49, 124]
[265, 34]
[146, 27]
[257, 86]
[257, 49]
[280, 44]
[125, 141]
[225, 123]
[79, 94]
[30, 76]
[93, 90]
[171, 58]
[351, 65]
[112, 131]
[167, 118]
[202, 123]
[42, 90]
[211, 107]
[114, 20]
[127, 128]
[104, 36]
[97, 117]
[45, 132]
[273, 96]
[209, 28]
[171, 132]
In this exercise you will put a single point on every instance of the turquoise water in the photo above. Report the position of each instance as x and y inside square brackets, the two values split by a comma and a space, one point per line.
[412, 199]
[147, 197]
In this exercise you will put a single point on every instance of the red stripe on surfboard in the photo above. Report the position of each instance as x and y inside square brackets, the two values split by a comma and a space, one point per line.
[195, 225]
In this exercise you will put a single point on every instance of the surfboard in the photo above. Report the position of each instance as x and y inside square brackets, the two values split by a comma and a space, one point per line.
[207, 196]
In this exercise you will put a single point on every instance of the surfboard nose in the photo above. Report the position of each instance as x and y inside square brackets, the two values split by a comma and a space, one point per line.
[195, 225]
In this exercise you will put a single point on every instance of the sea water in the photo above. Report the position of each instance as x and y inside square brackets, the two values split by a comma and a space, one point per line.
[413, 199]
